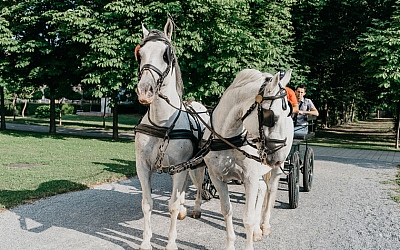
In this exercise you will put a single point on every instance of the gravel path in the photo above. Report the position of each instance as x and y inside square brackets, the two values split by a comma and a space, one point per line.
[348, 208]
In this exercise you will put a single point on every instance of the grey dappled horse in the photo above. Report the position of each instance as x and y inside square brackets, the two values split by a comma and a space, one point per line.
[255, 102]
[166, 135]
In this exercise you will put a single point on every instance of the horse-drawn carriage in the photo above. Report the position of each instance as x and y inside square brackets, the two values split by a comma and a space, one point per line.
[168, 135]
[300, 160]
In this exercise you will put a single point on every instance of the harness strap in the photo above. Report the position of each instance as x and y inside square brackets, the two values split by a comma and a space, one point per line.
[151, 130]
[218, 144]
[159, 132]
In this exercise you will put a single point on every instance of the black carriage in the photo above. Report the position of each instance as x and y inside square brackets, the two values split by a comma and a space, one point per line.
[300, 160]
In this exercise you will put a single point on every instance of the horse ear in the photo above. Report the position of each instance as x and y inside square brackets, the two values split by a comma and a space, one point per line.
[145, 31]
[286, 79]
[169, 28]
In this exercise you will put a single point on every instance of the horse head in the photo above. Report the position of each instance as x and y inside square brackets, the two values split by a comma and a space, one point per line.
[156, 58]
[274, 122]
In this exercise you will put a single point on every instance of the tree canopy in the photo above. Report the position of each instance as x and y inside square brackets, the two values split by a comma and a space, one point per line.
[344, 52]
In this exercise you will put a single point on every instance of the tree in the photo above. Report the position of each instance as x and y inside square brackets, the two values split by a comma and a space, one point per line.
[8, 45]
[327, 41]
[47, 54]
[109, 64]
[380, 46]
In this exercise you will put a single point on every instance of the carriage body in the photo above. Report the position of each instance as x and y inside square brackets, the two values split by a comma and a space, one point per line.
[300, 160]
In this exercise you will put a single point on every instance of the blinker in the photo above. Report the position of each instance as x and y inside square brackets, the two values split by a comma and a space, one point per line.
[268, 118]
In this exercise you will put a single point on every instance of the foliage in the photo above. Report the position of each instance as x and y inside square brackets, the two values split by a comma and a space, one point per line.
[66, 43]
[44, 111]
[380, 45]
[67, 109]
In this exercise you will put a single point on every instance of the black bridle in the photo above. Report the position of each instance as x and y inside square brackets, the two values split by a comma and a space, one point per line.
[266, 117]
[169, 59]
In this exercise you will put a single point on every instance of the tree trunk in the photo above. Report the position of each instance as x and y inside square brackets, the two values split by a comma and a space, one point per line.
[344, 114]
[115, 120]
[60, 111]
[2, 109]
[14, 103]
[352, 108]
[52, 111]
[23, 109]
[398, 125]
[324, 115]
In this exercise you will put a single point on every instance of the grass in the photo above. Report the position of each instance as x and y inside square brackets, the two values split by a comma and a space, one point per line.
[126, 123]
[35, 166]
[374, 134]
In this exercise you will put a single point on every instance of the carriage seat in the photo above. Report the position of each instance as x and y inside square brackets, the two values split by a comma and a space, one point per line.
[305, 136]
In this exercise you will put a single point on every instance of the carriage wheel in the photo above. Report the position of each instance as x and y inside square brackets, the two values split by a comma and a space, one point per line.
[293, 184]
[308, 169]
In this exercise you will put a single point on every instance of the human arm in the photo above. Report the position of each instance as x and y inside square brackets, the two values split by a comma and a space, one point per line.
[313, 112]
[295, 108]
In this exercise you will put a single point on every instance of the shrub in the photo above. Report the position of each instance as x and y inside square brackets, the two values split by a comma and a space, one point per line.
[68, 109]
[44, 111]
[9, 109]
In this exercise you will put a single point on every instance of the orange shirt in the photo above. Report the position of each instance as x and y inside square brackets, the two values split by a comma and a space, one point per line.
[291, 96]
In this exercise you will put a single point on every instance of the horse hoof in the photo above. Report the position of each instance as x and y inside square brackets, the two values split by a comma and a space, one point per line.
[266, 230]
[196, 215]
[145, 247]
[257, 235]
[182, 215]
[171, 246]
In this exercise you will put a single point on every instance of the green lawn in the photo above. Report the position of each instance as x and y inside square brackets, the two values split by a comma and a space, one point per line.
[374, 134]
[37, 165]
[126, 123]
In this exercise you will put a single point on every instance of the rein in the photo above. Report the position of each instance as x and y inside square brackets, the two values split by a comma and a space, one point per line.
[213, 132]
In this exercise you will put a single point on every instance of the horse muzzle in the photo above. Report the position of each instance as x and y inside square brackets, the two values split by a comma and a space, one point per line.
[145, 96]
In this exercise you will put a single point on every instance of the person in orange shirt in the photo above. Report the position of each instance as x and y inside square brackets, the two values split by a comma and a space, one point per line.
[291, 96]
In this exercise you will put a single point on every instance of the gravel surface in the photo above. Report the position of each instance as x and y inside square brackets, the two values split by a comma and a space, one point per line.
[349, 207]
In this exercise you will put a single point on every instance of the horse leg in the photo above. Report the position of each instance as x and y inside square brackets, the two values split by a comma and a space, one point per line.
[226, 210]
[272, 180]
[251, 219]
[147, 206]
[198, 179]
[176, 207]
[257, 234]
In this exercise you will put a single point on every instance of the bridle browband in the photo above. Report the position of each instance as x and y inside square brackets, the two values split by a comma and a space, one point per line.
[266, 117]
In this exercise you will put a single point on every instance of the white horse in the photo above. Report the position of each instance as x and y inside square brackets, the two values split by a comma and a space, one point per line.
[255, 102]
[165, 135]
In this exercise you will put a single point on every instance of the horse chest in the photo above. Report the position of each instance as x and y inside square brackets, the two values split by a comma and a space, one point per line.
[149, 148]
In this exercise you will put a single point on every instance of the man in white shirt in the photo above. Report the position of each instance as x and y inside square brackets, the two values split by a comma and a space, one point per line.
[306, 107]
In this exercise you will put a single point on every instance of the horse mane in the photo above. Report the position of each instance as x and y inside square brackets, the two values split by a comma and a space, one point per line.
[178, 73]
[246, 76]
